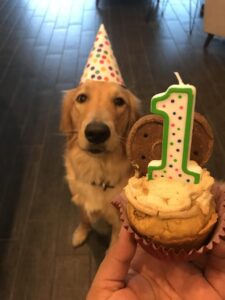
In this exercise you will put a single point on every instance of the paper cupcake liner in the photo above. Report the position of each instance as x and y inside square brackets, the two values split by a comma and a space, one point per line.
[165, 253]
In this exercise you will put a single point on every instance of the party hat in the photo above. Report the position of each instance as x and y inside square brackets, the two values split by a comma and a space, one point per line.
[101, 64]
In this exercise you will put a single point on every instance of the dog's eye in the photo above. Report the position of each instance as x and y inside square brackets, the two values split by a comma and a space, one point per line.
[119, 101]
[81, 98]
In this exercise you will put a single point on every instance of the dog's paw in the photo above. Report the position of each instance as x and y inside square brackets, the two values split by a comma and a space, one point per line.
[80, 235]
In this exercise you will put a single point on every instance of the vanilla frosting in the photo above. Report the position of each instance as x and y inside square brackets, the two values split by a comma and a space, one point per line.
[170, 198]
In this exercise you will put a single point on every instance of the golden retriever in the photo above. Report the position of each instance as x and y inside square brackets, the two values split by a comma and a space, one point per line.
[96, 117]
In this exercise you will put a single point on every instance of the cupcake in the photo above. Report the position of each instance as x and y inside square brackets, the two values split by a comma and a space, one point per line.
[169, 218]
[170, 212]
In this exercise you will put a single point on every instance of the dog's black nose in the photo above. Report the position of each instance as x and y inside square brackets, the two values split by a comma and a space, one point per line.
[97, 132]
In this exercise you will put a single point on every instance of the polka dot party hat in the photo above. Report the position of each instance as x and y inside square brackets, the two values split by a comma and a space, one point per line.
[101, 64]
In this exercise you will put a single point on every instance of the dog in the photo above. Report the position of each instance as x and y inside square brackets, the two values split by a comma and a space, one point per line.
[96, 118]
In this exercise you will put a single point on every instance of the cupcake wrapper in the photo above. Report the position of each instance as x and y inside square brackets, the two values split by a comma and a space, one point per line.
[164, 253]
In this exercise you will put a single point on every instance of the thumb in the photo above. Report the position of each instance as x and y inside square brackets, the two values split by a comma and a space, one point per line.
[114, 268]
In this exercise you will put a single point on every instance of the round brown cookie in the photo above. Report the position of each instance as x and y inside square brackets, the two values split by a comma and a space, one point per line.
[144, 142]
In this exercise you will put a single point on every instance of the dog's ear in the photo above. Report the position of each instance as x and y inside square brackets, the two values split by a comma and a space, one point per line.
[134, 110]
[66, 123]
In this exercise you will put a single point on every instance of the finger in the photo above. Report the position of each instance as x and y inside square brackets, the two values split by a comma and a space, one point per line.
[215, 268]
[217, 258]
[201, 262]
[219, 250]
[114, 267]
[216, 255]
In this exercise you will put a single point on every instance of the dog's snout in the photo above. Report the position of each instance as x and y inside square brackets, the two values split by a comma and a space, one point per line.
[97, 132]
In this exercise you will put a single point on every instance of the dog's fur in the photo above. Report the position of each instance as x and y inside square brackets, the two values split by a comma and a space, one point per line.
[87, 172]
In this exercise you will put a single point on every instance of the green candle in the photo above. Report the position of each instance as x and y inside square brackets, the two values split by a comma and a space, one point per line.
[176, 106]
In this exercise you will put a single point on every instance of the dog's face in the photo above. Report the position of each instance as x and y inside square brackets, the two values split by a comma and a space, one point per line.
[99, 114]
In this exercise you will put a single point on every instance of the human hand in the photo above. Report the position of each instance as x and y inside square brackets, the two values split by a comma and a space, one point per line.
[129, 273]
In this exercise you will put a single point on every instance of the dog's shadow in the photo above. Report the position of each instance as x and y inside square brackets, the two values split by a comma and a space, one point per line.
[98, 245]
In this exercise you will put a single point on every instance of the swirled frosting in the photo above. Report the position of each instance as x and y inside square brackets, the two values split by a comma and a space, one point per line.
[169, 199]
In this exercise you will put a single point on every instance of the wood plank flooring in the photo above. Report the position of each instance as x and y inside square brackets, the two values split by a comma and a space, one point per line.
[43, 48]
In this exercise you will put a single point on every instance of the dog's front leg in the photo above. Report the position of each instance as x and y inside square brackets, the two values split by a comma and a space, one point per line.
[81, 232]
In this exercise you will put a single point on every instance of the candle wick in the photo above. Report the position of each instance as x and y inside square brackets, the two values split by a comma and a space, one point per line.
[178, 77]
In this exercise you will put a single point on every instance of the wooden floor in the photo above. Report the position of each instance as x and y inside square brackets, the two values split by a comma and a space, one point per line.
[43, 48]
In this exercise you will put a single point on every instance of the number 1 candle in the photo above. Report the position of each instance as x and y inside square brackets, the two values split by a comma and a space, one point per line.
[176, 106]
